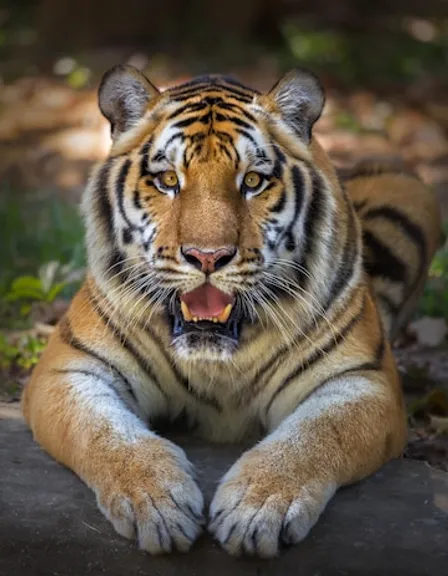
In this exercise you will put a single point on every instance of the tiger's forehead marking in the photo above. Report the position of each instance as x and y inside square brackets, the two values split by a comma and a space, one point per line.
[214, 117]
[211, 122]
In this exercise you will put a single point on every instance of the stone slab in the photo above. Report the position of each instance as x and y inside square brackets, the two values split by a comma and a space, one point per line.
[394, 523]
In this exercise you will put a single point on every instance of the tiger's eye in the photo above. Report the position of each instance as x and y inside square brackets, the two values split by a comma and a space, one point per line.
[169, 179]
[252, 180]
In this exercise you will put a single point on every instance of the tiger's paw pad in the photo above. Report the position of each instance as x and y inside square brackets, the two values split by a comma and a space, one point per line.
[247, 517]
[157, 501]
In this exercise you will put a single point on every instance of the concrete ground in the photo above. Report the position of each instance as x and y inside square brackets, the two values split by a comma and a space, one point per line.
[395, 523]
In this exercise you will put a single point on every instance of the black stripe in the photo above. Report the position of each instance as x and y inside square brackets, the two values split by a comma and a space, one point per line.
[359, 205]
[277, 171]
[372, 365]
[233, 89]
[196, 83]
[197, 137]
[197, 150]
[127, 237]
[185, 160]
[143, 362]
[298, 185]
[91, 374]
[225, 138]
[213, 100]
[124, 341]
[412, 231]
[179, 376]
[178, 136]
[384, 263]
[225, 151]
[347, 264]
[102, 203]
[387, 302]
[204, 119]
[192, 107]
[314, 212]
[146, 147]
[68, 337]
[247, 135]
[147, 243]
[136, 200]
[237, 94]
[279, 154]
[280, 204]
[187, 92]
[313, 217]
[116, 263]
[237, 108]
[183, 95]
[120, 186]
[144, 166]
[234, 119]
[262, 157]
[317, 355]
[277, 357]
[159, 157]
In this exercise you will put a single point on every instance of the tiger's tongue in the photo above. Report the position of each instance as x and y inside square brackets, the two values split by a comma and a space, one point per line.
[206, 301]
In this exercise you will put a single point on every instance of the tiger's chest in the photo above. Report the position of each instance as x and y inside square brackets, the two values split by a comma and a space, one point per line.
[210, 406]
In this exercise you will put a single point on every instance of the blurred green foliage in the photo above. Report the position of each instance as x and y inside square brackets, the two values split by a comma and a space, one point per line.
[366, 59]
[435, 298]
[36, 229]
[24, 353]
[390, 48]
[42, 254]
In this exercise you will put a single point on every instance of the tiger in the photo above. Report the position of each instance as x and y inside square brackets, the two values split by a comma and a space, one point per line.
[237, 282]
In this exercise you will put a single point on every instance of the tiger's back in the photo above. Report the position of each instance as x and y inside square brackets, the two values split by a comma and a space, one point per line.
[401, 232]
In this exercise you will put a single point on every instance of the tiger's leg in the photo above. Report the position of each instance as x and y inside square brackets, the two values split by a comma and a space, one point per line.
[78, 411]
[276, 491]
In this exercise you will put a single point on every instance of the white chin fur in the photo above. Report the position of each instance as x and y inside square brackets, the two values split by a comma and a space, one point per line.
[214, 353]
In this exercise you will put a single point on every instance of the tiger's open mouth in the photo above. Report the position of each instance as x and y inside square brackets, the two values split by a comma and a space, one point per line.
[207, 313]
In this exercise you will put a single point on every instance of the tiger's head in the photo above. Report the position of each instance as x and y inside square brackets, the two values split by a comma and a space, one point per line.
[216, 208]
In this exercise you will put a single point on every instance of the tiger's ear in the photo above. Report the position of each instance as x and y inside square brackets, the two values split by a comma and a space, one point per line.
[123, 96]
[299, 99]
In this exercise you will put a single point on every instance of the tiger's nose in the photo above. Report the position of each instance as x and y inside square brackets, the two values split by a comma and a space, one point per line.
[209, 260]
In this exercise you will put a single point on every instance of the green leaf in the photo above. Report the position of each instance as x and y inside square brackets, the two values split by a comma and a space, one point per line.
[25, 309]
[54, 291]
[26, 282]
[25, 295]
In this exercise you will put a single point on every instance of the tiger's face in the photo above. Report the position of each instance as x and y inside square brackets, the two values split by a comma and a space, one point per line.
[209, 192]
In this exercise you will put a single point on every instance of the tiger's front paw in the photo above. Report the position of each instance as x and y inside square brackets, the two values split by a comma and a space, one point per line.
[148, 491]
[260, 504]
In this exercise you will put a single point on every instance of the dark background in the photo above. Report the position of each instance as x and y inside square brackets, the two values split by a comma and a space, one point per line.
[370, 40]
